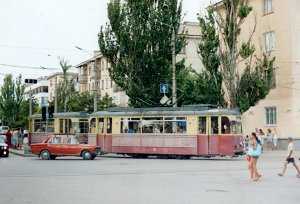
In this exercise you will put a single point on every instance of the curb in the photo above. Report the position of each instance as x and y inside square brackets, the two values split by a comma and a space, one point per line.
[20, 154]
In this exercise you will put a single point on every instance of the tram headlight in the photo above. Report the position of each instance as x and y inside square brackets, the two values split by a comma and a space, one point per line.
[5, 147]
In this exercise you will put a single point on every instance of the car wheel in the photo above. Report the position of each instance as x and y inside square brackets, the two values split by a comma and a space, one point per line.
[45, 155]
[86, 155]
[52, 157]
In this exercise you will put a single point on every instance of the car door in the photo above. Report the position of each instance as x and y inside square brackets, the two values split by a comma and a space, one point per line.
[55, 146]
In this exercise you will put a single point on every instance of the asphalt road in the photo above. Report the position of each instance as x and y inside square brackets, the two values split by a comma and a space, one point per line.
[145, 181]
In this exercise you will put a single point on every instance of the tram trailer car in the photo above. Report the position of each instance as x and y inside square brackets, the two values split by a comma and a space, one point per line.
[169, 132]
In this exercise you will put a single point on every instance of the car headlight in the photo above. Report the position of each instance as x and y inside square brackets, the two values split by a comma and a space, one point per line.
[5, 147]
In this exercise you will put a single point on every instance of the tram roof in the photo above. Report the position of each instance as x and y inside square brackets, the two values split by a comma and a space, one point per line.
[71, 115]
[185, 110]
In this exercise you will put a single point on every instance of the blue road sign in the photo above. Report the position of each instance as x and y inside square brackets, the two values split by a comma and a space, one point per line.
[164, 88]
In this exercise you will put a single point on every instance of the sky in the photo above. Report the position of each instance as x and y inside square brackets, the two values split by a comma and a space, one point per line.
[34, 33]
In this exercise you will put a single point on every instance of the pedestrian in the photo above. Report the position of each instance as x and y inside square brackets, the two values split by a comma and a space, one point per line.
[254, 151]
[261, 137]
[290, 158]
[8, 137]
[246, 142]
[275, 140]
[269, 139]
[15, 139]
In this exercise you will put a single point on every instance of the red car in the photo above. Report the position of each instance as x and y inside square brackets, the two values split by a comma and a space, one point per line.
[62, 145]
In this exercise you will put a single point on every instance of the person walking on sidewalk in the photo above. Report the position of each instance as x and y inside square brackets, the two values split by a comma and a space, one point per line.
[254, 151]
[290, 158]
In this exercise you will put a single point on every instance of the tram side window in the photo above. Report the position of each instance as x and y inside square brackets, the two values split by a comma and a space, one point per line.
[61, 126]
[101, 125]
[175, 125]
[68, 125]
[109, 125]
[225, 125]
[202, 125]
[93, 125]
[130, 125]
[214, 125]
[152, 125]
[83, 126]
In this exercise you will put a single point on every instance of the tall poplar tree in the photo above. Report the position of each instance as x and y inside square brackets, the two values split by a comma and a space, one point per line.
[137, 43]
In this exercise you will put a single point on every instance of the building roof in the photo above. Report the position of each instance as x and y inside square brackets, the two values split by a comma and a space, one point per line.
[60, 73]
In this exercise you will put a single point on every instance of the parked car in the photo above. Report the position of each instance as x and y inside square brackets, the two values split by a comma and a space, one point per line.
[4, 148]
[62, 145]
[3, 130]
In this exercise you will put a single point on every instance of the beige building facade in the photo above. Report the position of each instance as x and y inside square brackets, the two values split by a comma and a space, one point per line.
[191, 31]
[94, 77]
[55, 79]
[278, 33]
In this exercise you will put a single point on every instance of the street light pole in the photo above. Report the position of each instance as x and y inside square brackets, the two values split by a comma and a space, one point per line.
[174, 94]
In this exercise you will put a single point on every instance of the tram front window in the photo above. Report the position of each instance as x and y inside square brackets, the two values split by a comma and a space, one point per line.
[236, 126]
[225, 122]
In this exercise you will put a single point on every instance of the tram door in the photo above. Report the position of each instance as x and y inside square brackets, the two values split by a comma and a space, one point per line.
[213, 136]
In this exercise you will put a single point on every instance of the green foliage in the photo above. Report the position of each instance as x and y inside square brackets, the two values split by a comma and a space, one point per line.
[66, 87]
[84, 102]
[209, 82]
[246, 50]
[256, 84]
[12, 103]
[230, 19]
[137, 43]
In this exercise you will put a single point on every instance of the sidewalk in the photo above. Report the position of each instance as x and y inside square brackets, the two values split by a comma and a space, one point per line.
[20, 152]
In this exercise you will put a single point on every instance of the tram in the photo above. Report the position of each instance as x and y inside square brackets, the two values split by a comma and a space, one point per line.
[180, 132]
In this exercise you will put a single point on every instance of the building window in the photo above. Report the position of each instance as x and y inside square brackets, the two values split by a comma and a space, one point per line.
[269, 39]
[268, 8]
[271, 115]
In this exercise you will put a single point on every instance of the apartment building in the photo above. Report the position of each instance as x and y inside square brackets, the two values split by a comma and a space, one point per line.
[38, 91]
[277, 33]
[54, 80]
[94, 77]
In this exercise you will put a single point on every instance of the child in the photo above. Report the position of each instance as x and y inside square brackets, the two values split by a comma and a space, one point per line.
[290, 158]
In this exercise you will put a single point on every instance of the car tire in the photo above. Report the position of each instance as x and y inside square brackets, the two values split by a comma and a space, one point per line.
[52, 157]
[45, 155]
[86, 155]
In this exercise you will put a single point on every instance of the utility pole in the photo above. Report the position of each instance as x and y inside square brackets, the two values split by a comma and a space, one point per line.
[30, 103]
[174, 94]
[55, 97]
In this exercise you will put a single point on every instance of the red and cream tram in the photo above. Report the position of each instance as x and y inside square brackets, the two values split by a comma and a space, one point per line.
[140, 132]
[172, 132]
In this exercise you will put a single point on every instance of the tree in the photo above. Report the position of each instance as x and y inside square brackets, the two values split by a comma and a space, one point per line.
[255, 84]
[210, 80]
[230, 17]
[242, 89]
[137, 43]
[66, 87]
[11, 98]
[85, 102]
